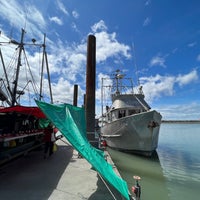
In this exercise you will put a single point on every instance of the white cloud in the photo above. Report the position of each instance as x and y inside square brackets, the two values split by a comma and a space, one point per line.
[56, 20]
[157, 86]
[62, 7]
[35, 17]
[106, 81]
[12, 11]
[75, 14]
[63, 91]
[74, 27]
[25, 16]
[147, 21]
[158, 61]
[99, 26]
[148, 2]
[68, 61]
[192, 44]
[187, 78]
[198, 57]
[65, 60]
[174, 50]
[189, 111]
[71, 61]
[107, 44]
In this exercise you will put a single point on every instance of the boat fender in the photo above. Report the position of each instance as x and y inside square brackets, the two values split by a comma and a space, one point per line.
[104, 144]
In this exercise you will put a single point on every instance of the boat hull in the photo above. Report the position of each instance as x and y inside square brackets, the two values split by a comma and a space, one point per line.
[137, 133]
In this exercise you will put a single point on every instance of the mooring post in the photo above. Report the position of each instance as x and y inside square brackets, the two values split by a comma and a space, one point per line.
[75, 95]
[90, 90]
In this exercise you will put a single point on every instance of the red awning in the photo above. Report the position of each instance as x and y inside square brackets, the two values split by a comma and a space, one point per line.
[34, 111]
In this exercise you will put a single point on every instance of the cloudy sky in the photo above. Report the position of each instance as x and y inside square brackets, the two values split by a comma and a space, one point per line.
[158, 39]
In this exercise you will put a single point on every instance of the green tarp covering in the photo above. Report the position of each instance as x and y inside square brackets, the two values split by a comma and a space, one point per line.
[70, 121]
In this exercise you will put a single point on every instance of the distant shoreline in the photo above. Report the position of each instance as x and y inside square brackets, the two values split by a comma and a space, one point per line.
[182, 121]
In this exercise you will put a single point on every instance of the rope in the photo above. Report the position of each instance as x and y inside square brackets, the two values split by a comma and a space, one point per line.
[34, 84]
[101, 179]
[107, 187]
[99, 176]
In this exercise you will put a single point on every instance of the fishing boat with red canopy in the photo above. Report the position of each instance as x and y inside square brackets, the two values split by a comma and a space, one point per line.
[21, 127]
[25, 110]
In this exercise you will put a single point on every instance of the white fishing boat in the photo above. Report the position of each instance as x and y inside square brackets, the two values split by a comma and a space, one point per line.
[128, 124]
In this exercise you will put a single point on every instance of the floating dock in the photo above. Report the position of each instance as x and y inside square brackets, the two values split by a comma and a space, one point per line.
[62, 176]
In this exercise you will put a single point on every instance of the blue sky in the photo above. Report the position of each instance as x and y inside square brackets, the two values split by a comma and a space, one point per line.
[159, 38]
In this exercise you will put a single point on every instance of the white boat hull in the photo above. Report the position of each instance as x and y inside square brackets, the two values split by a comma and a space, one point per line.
[136, 133]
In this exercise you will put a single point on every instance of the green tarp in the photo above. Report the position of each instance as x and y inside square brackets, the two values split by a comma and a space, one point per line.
[70, 121]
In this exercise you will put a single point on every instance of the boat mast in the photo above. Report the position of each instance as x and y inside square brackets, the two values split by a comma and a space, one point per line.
[117, 82]
[44, 59]
[49, 81]
[42, 70]
[118, 77]
[6, 76]
[21, 47]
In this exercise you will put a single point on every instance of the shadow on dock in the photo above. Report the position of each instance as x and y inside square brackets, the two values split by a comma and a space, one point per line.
[102, 191]
[62, 176]
[33, 177]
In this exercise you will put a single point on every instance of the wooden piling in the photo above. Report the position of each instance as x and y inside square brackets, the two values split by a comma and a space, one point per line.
[75, 95]
[90, 88]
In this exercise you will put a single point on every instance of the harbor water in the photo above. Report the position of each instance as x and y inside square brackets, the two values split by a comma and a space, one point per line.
[174, 172]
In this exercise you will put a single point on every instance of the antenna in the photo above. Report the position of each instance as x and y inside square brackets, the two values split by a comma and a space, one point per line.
[26, 16]
[135, 65]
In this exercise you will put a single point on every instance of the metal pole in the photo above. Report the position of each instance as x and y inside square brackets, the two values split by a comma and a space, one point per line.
[49, 80]
[75, 95]
[21, 46]
[42, 70]
[90, 87]
[6, 76]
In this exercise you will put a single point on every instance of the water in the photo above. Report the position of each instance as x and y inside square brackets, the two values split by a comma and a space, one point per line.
[174, 174]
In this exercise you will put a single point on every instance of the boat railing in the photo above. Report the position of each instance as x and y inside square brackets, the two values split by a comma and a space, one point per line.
[9, 136]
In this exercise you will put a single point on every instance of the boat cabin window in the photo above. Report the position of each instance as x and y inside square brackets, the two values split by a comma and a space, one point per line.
[113, 115]
[135, 111]
[131, 112]
[116, 114]
[122, 113]
[108, 117]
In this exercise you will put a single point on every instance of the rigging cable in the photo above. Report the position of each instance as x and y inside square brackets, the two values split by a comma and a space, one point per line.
[100, 177]
[107, 187]
[34, 84]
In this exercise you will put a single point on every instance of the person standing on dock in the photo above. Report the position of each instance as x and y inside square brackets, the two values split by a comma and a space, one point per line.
[49, 139]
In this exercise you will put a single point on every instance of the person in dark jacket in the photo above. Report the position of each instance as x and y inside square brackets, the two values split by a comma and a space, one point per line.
[49, 139]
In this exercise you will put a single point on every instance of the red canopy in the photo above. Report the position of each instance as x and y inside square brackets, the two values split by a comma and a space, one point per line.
[34, 111]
